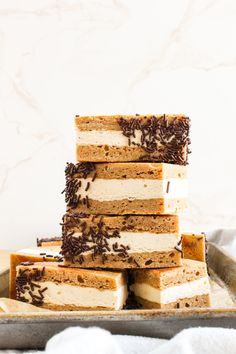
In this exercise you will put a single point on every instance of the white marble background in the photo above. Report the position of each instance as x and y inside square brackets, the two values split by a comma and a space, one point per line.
[61, 58]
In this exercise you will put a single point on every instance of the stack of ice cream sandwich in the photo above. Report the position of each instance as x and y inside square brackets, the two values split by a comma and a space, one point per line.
[120, 233]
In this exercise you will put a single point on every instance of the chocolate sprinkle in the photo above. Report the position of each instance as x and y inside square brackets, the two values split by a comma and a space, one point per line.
[73, 173]
[168, 187]
[162, 140]
[179, 250]
[133, 260]
[27, 263]
[94, 177]
[148, 262]
[178, 247]
[136, 263]
[25, 282]
[180, 241]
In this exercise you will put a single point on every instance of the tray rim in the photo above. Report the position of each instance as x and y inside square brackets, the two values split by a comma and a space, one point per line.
[122, 315]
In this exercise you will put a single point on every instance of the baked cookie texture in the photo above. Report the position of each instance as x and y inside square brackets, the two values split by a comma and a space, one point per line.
[122, 138]
[132, 241]
[198, 301]
[49, 241]
[126, 188]
[194, 246]
[134, 260]
[55, 287]
[185, 286]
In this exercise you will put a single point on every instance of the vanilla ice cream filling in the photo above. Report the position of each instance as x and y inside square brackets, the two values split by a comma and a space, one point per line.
[140, 242]
[134, 188]
[66, 294]
[173, 293]
[105, 137]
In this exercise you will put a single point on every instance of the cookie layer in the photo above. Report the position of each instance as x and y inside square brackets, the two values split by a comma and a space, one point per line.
[130, 261]
[136, 223]
[164, 278]
[195, 301]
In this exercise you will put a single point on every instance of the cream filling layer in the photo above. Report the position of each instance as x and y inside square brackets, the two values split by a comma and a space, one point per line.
[134, 188]
[105, 137]
[37, 251]
[66, 294]
[173, 293]
[140, 242]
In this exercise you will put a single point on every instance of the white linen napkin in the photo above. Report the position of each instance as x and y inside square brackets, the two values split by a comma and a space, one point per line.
[93, 340]
[225, 239]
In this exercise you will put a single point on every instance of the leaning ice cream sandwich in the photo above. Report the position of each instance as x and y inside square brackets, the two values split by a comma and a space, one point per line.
[131, 241]
[194, 246]
[54, 287]
[49, 241]
[185, 286]
[33, 254]
[160, 138]
[126, 188]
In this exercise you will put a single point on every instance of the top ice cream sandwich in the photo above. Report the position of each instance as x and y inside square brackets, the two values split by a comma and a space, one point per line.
[159, 138]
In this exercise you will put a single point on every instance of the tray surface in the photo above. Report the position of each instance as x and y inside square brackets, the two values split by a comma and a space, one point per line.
[34, 329]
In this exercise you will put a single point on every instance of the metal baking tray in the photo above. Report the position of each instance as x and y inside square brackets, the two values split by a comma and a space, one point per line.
[31, 331]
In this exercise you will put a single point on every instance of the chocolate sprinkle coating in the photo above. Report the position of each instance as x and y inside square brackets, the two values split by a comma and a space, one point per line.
[162, 140]
[25, 281]
[93, 238]
[73, 184]
[72, 220]
[83, 169]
